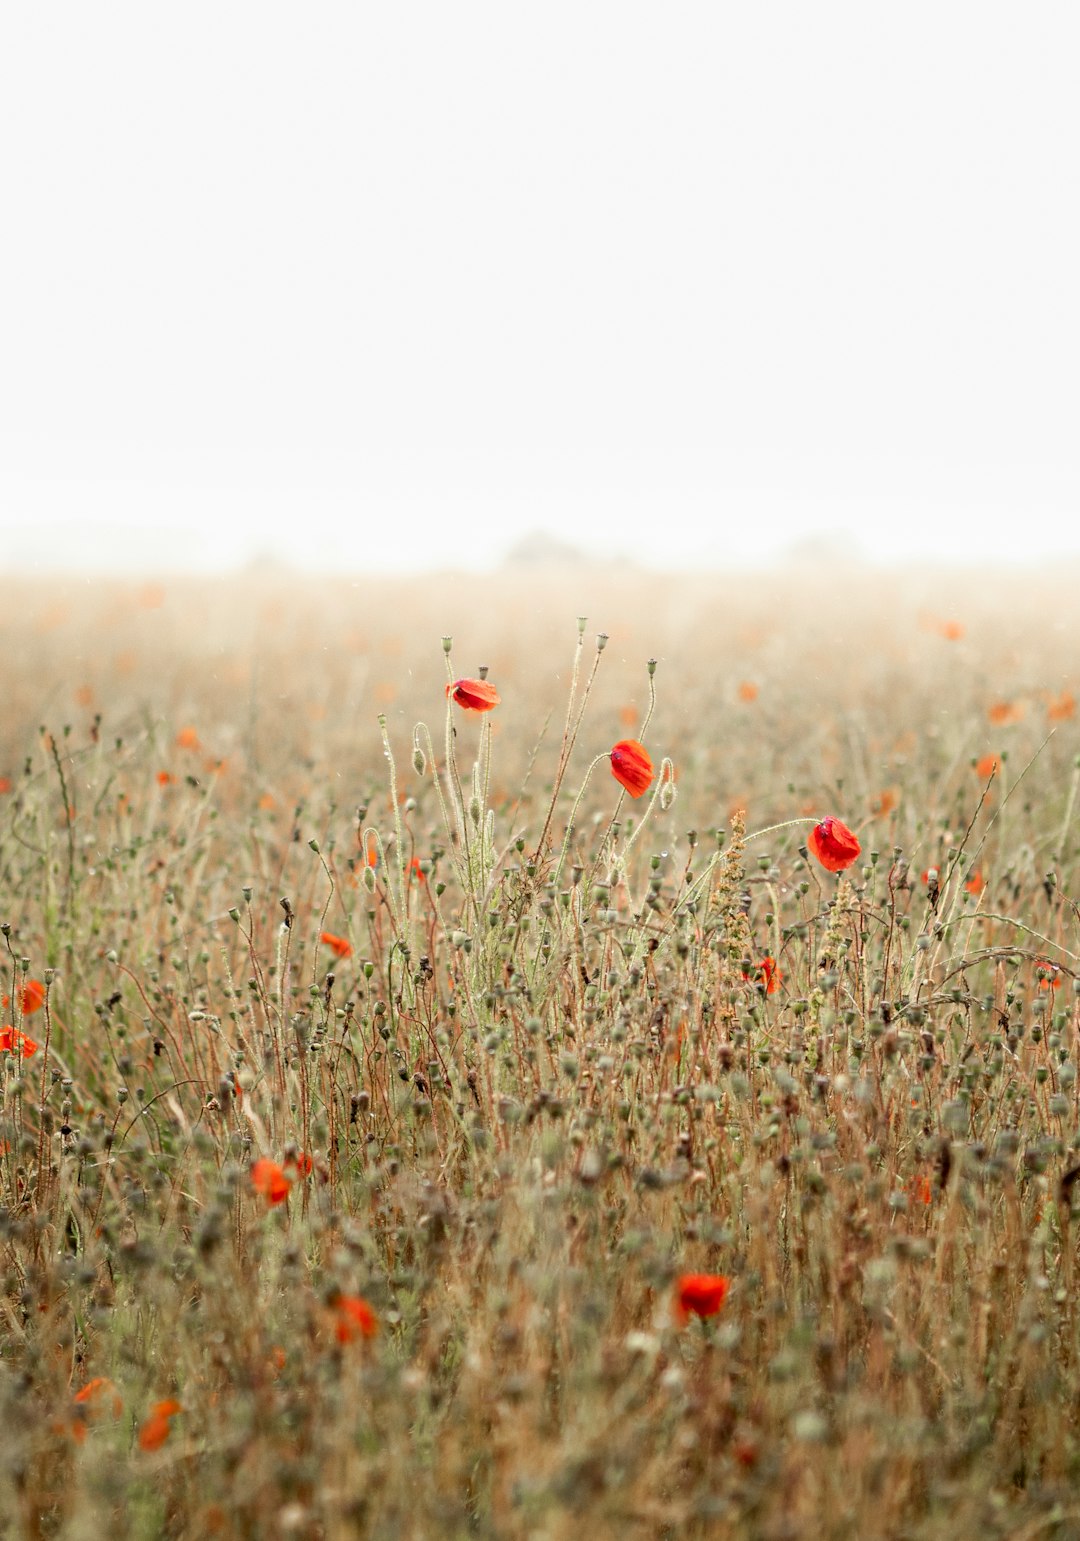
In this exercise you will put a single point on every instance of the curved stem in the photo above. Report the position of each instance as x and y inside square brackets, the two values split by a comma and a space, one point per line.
[573, 814]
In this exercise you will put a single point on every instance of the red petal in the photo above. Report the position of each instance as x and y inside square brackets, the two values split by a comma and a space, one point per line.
[474, 695]
[631, 766]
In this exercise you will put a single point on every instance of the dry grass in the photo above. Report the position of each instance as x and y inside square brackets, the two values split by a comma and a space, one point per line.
[538, 1090]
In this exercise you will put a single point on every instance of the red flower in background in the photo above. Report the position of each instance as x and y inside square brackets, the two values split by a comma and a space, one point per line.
[631, 766]
[269, 1179]
[769, 975]
[355, 1319]
[700, 1294]
[89, 1403]
[833, 844]
[155, 1431]
[474, 695]
[1051, 979]
[340, 946]
[32, 996]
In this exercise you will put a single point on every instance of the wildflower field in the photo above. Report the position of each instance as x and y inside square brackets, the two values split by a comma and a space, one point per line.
[469, 1071]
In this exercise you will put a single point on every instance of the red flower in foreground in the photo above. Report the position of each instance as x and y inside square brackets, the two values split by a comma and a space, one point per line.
[10, 1040]
[33, 997]
[474, 695]
[833, 844]
[355, 1319]
[700, 1294]
[155, 1431]
[269, 1179]
[339, 945]
[631, 766]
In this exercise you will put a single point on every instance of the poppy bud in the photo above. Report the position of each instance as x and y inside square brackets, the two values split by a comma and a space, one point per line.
[667, 787]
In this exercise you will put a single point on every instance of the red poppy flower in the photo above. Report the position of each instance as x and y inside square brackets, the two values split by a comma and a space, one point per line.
[474, 695]
[155, 1430]
[833, 844]
[302, 1162]
[91, 1398]
[355, 1319]
[975, 883]
[165, 778]
[89, 1402]
[339, 945]
[93, 1389]
[700, 1294]
[769, 975]
[1051, 979]
[33, 997]
[10, 1040]
[187, 738]
[269, 1179]
[631, 766]
[986, 767]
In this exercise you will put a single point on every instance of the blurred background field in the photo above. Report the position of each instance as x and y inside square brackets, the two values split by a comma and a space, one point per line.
[764, 680]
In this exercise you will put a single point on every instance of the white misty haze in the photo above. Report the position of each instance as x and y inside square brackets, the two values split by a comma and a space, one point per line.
[387, 286]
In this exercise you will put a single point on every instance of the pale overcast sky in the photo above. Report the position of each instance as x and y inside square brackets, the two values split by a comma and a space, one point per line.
[387, 286]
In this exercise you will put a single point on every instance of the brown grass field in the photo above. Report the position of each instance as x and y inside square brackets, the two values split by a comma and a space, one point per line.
[549, 1075]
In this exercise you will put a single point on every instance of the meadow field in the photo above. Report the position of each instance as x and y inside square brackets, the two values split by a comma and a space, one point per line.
[407, 1133]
